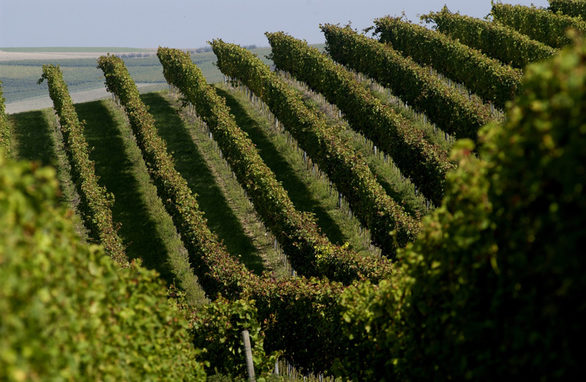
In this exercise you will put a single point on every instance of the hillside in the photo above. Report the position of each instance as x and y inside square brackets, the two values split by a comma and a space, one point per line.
[404, 203]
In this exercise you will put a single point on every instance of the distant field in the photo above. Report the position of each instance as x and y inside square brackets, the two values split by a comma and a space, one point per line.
[74, 49]
[19, 77]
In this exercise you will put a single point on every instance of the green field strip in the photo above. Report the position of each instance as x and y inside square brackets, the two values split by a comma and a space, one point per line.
[401, 189]
[191, 163]
[145, 227]
[308, 188]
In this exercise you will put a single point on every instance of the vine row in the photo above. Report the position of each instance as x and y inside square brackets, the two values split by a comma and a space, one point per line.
[309, 251]
[417, 158]
[390, 225]
[4, 127]
[485, 76]
[574, 8]
[308, 310]
[495, 40]
[444, 105]
[539, 24]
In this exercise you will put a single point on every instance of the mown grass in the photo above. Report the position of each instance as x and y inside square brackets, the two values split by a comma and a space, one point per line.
[31, 137]
[147, 230]
[190, 161]
[35, 137]
[308, 189]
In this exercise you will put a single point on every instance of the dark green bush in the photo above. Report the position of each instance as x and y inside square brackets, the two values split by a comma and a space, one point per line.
[67, 311]
[493, 287]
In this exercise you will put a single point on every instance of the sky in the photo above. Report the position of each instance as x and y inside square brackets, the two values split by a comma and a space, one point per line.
[190, 23]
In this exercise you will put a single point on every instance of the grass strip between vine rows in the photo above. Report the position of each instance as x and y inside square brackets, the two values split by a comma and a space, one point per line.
[444, 105]
[390, 225]
[4, 127]
[539, 24]
[309, 251]
[300, 316]
[485, 76]
[96, 203]
[495, 40]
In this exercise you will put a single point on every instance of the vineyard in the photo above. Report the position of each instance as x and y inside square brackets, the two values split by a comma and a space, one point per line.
[406, 205]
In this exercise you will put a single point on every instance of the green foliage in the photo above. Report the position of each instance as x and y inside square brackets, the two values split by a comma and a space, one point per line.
[96, 203]
[492, 39]
[539, 24]
[309, 251]
[68, 313]
[218, 330]
[306, 309]
[444, 105]
[216, 269]
[391, 227]
[493, 287]
[575, 8]
[485, 76]
[4, 127]
[417, 158]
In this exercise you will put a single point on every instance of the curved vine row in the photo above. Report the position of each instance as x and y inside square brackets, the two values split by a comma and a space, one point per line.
[96, 203]
[539, 24]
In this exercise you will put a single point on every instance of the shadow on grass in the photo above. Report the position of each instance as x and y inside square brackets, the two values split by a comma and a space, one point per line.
[32, 134]
[116, 172]
[192, 166]
[300, 195]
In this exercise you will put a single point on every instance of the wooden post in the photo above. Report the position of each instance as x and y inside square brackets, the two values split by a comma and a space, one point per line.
[248, 354]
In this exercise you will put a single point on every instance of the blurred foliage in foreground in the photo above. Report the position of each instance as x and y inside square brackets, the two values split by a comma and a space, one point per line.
[68, 311]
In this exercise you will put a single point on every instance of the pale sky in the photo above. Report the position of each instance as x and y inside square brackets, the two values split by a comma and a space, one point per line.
[190, 23]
